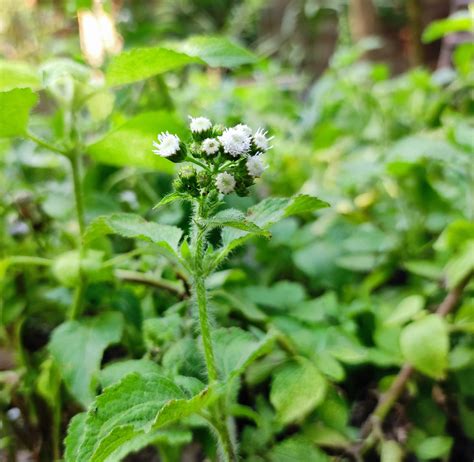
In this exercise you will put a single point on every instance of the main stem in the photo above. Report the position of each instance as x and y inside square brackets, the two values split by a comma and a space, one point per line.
[76, 168]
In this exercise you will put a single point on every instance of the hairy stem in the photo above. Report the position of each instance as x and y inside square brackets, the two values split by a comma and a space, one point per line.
[76, 167]
[226, 445]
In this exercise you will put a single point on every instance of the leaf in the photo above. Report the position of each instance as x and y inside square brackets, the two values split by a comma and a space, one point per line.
[391, 451]
[73, 439]
[125, 417]
[16, 105]
[458, 22]
[434, 447]
[216, 51]
[425, 345]
[234, 219]
[297, 448]
[461, 265]
[130, 145]
[15, 74]
[77, 348]
[405, 310]
[169, 198]
[134, 227]
[297, 388]
[281, 295]
[115, 372]
[142, 63]
[236, 349]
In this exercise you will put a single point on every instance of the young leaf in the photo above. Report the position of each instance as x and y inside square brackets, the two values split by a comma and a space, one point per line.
[174, 196]
[142, 63]
[77, 348]
[236, 349]
[134, 227]
[461, 265]
[297, 388]
[461, 21]
[16, 105]
[125, 416]
[130, 145]
[405, 310]
[15, 74]
[425, 345]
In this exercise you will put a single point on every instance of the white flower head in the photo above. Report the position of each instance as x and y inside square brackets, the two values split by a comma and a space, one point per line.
[235, 141]
[245, 129]
[255, 166]
[225, 182]
[210, 146]
[167, 146]
[199, 124]
[261, 141]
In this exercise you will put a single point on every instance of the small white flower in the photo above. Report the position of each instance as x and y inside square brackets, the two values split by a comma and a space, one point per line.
[261, 141]
[225, 182]
[199, 124]
[167, 146]
[245, 129]
[235, 141]
[255, 166]
[210, 146]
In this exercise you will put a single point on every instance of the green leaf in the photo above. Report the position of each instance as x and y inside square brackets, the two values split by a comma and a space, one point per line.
[236, 349]
[216, 51]
[391, 451]
[131, 144]
[73, 439]
[425, 345]
[281, 295]
[461, 21]
[134, 227]
[16, 105]
[127, 415]
[142, 63]
[78, 346]
[405, 310]
[169, 198]
[14, 74]
[434, 447]
[461, 265]
[297, 448]
[297, 388]
[234, 219]
[115, 372]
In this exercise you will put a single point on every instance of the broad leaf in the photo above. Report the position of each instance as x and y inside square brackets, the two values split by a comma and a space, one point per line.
[116, 371]
[297, 388]
[297, 448]
[16, 105]
[130, 145]
[233, 218]
[74, 436]
[459, 22]
[405, 310]
[216, 51]
[126, 415]
[142, 63]
[425, 345]
[14, 74]
[78, 346]
[135, 227]
[236, 349]
[461, 265]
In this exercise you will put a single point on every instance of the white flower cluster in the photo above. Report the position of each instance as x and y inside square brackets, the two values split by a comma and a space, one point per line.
[233, 156]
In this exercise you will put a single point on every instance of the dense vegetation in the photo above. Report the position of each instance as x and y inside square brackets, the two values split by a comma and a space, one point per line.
[324, 313]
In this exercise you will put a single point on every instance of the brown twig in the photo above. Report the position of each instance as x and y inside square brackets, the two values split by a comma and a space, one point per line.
[391, 396]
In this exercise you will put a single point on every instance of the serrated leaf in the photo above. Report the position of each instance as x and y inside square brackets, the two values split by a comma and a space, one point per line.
[16, 74]
[125, 416]
[135, 227]
[16, 105]
[233, 218]
[116, 371]
[216, 51]
[142, 63]
[74, 436]
[77, 348]
[425, 345]
[236, 349]
[405, 310]
[130, 145]
[297, 388]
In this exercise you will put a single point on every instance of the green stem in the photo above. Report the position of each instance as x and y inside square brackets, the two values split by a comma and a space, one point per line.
[194, 161]
[45, 144]
[226, 445]
[205, 328]
[76, 168]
